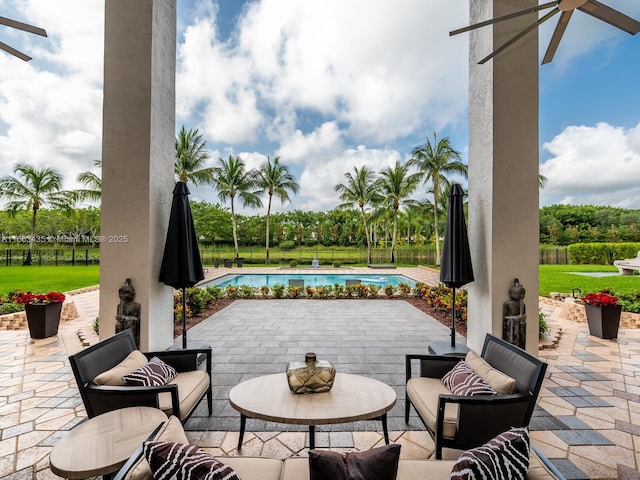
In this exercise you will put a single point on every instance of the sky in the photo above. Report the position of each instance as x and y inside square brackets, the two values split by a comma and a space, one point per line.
[326, 86]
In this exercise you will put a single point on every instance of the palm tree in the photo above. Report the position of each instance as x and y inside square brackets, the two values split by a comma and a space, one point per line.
[231, 179]
[191, 156]
[93, 183]
[434, 161]
[395, 184]
[273, 178]
[31, 189]
[359, 190]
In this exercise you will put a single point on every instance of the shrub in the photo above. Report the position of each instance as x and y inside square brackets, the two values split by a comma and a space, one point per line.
[293, 263]
[265, 291]
[287, 245]
[294, 292]
[10, 308]
[96, 325]
[309, 291]
[278, 290]
[198, 299]
[246, 291]
[543, 328]
[373, 290]
[389, 290]
[404, 289]
[231, 291]
[336, 265]
[215, 291]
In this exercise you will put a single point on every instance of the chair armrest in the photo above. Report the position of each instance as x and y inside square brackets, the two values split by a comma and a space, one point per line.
[484, 415]
[183, 360]
[552, 468]
[431, 366]
[104, 398]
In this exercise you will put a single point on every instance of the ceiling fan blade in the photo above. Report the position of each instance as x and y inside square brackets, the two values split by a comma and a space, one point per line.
[13, 51]
[531, 27]
[610, 16]
[22, 26]
[557, 36]
[504, 17]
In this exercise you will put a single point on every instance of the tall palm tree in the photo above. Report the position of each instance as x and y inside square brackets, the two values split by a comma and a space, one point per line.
[273, 178]
[191, 156]
[32, 189]
[93, 182]
[359, 189]
[434, 161]
[395, 185]
[231, 180]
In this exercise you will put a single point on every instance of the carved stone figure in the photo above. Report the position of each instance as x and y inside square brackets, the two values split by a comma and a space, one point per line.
[128, 315]
[514, 329]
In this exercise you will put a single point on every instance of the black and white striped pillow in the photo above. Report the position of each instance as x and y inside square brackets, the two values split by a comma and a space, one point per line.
[505, 457]
[153, 374]
[170, 460]
[461, 380]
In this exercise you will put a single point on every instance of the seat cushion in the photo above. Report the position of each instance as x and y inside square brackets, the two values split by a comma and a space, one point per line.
[113, 376]
[423, 393]
[249, 468]
[501, 382]
[191, 387]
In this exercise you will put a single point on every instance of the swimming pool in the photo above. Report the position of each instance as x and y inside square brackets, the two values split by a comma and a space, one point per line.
[310, 279]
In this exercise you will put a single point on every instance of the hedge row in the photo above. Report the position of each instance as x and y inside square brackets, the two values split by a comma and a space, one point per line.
[601, 253]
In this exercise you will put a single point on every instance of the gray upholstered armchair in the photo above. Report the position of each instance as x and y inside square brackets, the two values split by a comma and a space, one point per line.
[463, 422]
[110, 358]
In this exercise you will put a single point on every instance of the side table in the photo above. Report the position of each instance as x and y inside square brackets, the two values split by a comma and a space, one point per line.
[102, 444]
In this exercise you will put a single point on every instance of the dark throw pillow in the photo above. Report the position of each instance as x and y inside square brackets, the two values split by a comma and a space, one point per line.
[461, 380]
[503, 457]
[379, 463]
[153, 374]
[179, 461]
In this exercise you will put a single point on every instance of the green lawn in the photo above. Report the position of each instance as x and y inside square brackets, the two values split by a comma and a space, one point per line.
[553, 278]
[561, 278]
[43, 279]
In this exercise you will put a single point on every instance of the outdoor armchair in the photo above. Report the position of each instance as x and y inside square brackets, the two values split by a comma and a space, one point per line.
[464, 422]
[179, 397]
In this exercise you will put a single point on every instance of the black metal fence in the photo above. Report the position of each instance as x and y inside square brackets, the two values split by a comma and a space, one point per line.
[50, 257]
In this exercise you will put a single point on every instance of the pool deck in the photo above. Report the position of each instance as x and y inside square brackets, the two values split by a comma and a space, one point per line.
[587, 421]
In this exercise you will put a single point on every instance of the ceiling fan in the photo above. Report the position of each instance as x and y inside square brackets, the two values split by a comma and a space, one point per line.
[20, 26]
[590, 7]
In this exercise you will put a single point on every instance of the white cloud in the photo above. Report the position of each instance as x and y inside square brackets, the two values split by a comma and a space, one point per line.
[593, 165]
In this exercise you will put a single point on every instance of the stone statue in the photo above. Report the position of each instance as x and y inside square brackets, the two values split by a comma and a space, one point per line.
[514, 328]
[128, 315]
[315, 263]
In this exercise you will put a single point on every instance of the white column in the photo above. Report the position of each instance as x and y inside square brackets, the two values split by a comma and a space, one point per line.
[503, 169]
[137, 161]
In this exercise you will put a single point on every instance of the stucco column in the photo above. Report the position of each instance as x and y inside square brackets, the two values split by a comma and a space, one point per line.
[503, 169]
[138, 151]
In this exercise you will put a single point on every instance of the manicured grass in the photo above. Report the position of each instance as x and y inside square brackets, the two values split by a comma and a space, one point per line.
[44, 279]
[560, 278]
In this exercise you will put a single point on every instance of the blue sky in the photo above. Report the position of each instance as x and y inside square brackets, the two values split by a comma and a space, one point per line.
[326, 85]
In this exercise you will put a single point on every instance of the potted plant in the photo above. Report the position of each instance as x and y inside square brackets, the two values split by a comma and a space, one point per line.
[43, 312]
[603, 314]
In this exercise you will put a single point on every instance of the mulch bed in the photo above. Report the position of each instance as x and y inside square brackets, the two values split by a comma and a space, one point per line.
[445, 319]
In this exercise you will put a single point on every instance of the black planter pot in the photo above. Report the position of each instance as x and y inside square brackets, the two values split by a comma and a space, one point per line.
[603, 320]
[43, 319]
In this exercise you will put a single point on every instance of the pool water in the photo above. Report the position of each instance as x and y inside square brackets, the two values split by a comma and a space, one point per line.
[310, 279]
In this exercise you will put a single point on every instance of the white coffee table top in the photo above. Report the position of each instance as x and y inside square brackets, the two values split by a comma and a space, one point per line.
[352, 398]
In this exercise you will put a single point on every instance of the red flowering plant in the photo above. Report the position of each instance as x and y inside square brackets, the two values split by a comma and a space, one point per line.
[39, 298]
[600, 298]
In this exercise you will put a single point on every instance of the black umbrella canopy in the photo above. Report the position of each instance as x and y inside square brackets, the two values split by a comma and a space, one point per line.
[455, 267]
[181, 263]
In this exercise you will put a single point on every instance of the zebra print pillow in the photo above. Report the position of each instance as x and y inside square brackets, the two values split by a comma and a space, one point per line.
[153, 374]
[505, 457]
[461, 380]
[181, 462]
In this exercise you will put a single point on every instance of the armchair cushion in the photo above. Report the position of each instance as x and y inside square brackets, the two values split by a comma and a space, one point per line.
[113, 376]
[505, 456]
[184, 461]
[154, 373]
[379, 463]
[424, 393]
[461, 380]
[192, 386]
[499, 381]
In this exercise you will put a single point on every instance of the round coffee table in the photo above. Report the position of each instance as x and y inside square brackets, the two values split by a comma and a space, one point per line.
[102, 444]
[351, 399]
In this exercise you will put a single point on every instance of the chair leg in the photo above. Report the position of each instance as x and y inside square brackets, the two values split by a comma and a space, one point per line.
[210, 401]
[407, 406]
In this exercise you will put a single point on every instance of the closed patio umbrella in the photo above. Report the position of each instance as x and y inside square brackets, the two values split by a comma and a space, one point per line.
[181, 264]
[455, 268]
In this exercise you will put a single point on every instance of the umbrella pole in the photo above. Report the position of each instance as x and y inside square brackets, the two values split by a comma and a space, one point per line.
[453, 319]
[184, 319]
